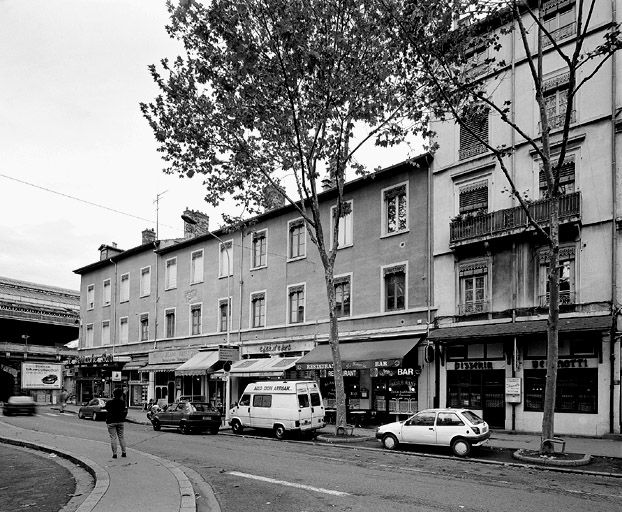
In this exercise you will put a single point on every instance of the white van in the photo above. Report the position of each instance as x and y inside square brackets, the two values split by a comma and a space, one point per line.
[279, 405]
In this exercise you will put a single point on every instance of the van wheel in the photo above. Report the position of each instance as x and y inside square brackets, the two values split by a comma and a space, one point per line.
[156, 425]
[461, 447]
[390, 442]
[279, 432]
[236, 426]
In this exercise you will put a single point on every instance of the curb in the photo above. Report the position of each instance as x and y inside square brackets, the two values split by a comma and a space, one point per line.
[552, 462]
[346, 440]
[102, 480]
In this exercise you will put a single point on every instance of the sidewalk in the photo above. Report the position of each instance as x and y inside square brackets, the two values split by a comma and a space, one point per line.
[118, 482]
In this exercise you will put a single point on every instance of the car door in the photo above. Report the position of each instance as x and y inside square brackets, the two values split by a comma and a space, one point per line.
[448, 424]
[166, 417]
[91, 407]
[420, 428]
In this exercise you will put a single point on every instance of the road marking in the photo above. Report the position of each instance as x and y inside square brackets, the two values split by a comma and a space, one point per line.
[52, 414]
[288, 484]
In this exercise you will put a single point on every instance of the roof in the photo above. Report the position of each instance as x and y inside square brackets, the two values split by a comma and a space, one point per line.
[572, 324]
[361, 354]
[117, 257]
[26, 290]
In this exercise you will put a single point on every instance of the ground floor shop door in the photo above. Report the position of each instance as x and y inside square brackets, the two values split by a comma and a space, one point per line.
[481, 390]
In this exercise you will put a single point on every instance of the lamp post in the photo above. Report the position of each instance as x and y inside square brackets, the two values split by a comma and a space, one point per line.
[190, 220]
[25, 338]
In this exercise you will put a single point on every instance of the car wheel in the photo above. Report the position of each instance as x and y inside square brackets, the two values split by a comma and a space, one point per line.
[461, 447]
[236, 427]
[184, 428]
[390, 442]
[80, 415]
[156, 425]
[94, 417]
[279, 432]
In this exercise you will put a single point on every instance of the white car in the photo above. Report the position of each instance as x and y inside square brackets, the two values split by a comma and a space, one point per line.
[458, 428]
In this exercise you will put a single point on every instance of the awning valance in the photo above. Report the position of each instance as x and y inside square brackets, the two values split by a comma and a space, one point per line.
[574, 324]
[162, 367]
[265, 367]
[198, 364]
[360, 354]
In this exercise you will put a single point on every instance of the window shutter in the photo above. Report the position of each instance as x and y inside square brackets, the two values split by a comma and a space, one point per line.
[474, 197]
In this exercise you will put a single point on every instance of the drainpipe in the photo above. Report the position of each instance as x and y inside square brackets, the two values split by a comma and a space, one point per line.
[156, 243]
[614, 375]
[241, 287]
[114, 307]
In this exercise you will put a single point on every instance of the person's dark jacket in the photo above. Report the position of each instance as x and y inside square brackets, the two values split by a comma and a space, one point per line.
[115, 410]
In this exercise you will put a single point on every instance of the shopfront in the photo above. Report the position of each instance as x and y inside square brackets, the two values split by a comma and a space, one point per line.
[97, 375]
[194, 378]
[380, 378]
[163, 386]
[137, 381]
[499, 371]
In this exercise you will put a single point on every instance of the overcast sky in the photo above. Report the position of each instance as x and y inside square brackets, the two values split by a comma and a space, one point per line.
[72, 73]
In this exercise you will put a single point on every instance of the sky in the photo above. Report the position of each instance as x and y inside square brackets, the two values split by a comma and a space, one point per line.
[72, 74]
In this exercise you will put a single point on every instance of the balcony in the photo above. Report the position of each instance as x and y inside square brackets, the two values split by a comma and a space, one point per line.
[473, 308]
[566, 298]
[559, 34]
[557, 121]
[510, 221]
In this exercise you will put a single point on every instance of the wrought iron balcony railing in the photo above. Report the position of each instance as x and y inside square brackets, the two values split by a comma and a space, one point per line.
[559, 34]
[471, 150]
[473, 308]
[557, 121]
[470, 228]
[565, 298]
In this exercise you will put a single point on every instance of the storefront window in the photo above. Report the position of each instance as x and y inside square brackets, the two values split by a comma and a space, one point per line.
[577, 390]
[475, 351]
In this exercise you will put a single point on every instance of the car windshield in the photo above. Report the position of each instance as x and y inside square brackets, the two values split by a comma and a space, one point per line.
[472, 417]
[20, 400]
[200, 407]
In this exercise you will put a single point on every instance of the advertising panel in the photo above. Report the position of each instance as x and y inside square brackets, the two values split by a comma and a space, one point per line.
[42, 376]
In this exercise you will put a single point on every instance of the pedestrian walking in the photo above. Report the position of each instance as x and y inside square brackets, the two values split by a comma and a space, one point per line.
[63, 399]
[116, 411]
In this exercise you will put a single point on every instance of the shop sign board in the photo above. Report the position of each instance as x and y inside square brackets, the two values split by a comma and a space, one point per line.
[346, 373]
[116, 376]
[92, 359]
[513, 390]
[171, 356]
[352, 365]
[566, 363]
[395, 372]
[228, 353]
[42, 376]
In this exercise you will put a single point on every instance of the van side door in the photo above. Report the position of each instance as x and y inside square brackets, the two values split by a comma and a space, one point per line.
[261, 411]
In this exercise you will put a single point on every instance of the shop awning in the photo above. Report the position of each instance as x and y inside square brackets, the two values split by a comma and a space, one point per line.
[161, 367]
[266, 367]
[360, 354]
[574, 324]
[198, 364]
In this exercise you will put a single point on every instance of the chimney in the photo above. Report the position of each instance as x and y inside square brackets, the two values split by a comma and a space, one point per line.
[195, 223]
[149, 236]
[108, 251]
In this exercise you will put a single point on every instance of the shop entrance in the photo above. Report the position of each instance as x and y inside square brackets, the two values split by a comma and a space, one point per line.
[479, 390]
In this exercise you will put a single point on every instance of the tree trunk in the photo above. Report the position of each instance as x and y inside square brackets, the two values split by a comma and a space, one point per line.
[548, 416]
[333, 340]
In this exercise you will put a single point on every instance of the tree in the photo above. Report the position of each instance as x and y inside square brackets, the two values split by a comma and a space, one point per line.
[275, 88]
[444, 41]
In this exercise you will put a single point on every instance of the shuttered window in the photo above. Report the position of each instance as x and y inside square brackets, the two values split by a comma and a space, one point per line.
[566, 176]
[474, 197]
[471, 139]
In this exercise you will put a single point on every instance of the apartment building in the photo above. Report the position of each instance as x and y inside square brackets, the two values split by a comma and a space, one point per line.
[205, 314]
[488, 351]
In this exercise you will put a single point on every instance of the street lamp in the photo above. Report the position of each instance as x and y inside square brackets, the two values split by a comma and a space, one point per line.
[190, 220]
[25, 338]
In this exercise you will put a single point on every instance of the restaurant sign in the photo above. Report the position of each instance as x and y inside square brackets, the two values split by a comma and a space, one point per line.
[92, 359]
[171, 356]
[352, 365]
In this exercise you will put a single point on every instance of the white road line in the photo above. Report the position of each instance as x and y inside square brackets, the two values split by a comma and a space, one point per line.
[51, 414]
[288, 484]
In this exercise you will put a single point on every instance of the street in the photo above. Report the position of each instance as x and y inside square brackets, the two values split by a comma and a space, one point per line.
[262, 474]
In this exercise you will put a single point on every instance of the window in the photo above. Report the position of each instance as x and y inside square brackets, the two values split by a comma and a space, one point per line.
[169, 323]
[422, 419]
[124, 292]
[394, 287]
[89, 335]
[144, 327]
[245, 401]
[473, 197]
[473, 288]
[474, 132]
[260, 249]
[170, 274]
[297, 239]
[123, 330]
[559, 20]
[476, 63]
[262, 401]
[566, 176]
[223, 315]
[475, 351]
[225, 259]
[196, 267]
[342, 296]
[395, 210]
[315, 400]
[296, 296]
[107, 292]
[258, 309]
[90, 296]
[555, 91]
[303, 401]
[106, 332]
[566, 267]
[576, 391]
[145, 281]
[448, 419]
[195, 319]
[345, 235]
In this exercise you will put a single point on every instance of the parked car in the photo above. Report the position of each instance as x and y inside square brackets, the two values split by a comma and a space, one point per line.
[19, 405]
[459, 429]
[93, 409]
[188, 417]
